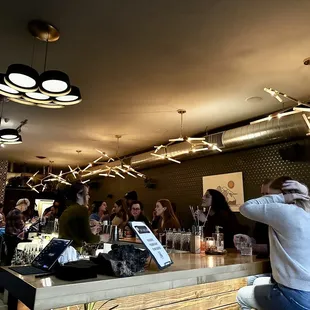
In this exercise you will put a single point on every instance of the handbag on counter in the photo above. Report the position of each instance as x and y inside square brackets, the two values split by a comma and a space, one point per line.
[121, 261]
[77, 270]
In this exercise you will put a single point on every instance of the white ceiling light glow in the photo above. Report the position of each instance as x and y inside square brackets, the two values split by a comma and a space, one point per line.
[52, 89]
[72, 98]
[37, 97]
[54, 83]
[22, 78]
[7, 91]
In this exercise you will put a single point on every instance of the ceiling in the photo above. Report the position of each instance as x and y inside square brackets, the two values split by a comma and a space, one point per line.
[137, 62]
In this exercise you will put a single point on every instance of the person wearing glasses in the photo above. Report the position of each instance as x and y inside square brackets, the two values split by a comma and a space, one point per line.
[137, 214]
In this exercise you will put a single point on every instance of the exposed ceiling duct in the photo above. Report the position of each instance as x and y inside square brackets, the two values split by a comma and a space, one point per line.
[275, 130]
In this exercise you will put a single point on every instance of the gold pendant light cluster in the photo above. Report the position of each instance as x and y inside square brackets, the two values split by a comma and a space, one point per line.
[52, 89]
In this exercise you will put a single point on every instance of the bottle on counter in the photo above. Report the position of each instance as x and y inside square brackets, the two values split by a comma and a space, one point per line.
[202, 239]
[177, 240]
[195, 242]
[183, 242]
[174, 232]
[169, 239]
[219, 239]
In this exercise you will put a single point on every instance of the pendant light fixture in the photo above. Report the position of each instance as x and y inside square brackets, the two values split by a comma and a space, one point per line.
[120, 170]
[18, 140]
[22, 78]
[37, 97]
[181, 137]
[72, 98]
[22, 101]
[298, 108]
[54, 83]
[6, 90]
[10, 135]
[52, 89]
[164, 155]
[196, 144]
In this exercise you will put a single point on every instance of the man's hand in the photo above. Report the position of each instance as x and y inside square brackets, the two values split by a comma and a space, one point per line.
[291, 185]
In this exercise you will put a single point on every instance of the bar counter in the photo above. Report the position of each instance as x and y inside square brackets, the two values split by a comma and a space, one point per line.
[194, 281]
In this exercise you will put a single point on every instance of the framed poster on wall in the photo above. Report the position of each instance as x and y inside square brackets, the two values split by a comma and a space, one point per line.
[229, 184]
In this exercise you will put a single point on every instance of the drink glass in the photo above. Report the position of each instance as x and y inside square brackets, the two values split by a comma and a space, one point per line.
[210, 244]
[246, 248]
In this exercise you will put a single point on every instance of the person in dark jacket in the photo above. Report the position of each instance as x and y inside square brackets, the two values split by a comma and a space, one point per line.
[74, 221]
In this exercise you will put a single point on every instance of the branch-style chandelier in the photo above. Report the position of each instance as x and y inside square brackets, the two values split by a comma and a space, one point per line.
[41, 185]
[196, 144]
[300, 106]
[306, 119]
[79, 173]
[122, 169]
[52, 89]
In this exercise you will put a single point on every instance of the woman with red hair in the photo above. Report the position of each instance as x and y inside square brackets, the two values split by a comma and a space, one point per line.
[168, 218]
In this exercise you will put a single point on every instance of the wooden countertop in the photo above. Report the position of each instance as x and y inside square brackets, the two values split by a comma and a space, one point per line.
[187, 270]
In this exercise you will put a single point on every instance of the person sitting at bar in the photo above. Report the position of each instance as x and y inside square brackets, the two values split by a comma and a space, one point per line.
[74, 222]
[14, 228]
[168, 218]
[219, 214]
[55, 205]
[130, 198]
[99, 211]
[121, 217]
[155, 224]
[52, 214]
[287, 212]
[137, 214]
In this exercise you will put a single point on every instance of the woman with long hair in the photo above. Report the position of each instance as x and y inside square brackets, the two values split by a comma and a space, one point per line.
[100, 211]
[168, 218]
[121, 217]
[220, 214]
[287, 212]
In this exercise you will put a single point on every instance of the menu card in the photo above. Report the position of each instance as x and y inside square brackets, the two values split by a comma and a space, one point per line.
[157, 251]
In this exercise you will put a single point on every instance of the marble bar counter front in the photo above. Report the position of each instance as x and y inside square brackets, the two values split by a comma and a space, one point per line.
[194, 281]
